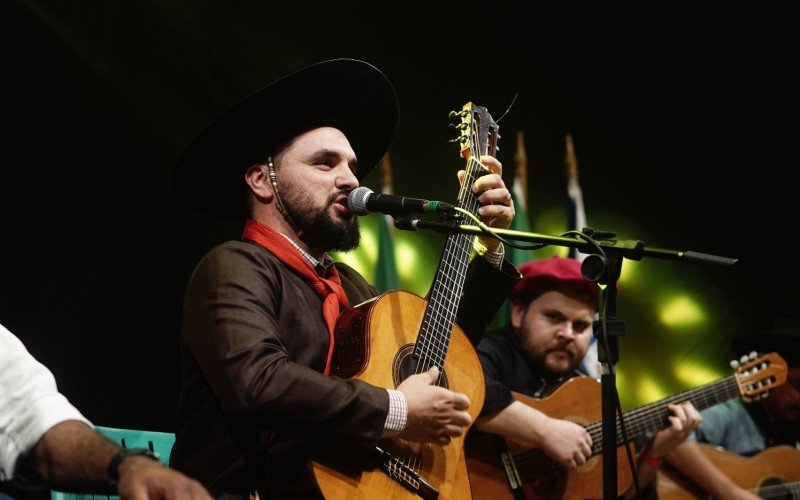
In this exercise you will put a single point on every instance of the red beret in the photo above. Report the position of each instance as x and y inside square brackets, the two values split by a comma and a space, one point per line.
[542, 275]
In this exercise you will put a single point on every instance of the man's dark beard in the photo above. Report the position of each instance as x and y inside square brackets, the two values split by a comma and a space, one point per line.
[319, 228]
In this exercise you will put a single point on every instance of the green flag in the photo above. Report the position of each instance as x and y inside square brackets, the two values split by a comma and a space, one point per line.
[517, 256]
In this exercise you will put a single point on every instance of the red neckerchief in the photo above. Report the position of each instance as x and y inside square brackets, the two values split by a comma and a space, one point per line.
[328, 289]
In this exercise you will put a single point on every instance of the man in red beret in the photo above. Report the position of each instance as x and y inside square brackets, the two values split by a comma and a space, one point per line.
[553, 308]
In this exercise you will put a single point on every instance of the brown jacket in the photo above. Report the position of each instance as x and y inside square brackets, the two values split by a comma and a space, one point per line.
[254, 346]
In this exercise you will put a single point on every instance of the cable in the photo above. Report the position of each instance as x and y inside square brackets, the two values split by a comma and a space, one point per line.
[489, 230]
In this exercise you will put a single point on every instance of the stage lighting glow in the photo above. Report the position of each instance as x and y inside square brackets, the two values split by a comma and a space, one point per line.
[694, 374]
[681, 311]
[357, 261]
[369, 244]
[407, 259]
[648, 390]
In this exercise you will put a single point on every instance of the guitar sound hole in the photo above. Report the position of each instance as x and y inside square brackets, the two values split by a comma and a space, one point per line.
[405, 364]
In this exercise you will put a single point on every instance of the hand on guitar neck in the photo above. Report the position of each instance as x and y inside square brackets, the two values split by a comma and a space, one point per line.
[683, 419]
[497, 207]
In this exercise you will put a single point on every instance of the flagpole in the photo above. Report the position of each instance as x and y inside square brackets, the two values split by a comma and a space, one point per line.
[576, 216]
[521, 170]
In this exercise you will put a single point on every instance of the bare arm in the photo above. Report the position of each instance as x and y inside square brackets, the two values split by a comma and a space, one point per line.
[566, 442]
[72, 456]
[690, 461]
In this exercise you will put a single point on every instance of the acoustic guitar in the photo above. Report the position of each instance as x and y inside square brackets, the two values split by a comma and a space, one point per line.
[502, 468]
[397, 334]
[773, 473]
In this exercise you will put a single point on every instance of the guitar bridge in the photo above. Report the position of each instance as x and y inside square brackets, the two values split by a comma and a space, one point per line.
[511, 470]
[406, 476]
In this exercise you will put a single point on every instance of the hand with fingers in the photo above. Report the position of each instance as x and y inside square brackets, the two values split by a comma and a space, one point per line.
[566, 442]
[683, 419]
[146, 479]
[497, 206]
[435, 414]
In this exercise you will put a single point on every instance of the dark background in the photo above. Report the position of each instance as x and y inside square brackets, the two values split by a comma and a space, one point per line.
[684, 118]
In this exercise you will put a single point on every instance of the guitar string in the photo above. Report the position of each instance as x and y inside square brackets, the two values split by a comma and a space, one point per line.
[443, 274]
[535, 457]
[777, 490]
[655, 414]
[708, 395]
[442, 315]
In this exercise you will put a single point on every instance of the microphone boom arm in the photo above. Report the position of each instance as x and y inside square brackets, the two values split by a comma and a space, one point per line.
[630, 249]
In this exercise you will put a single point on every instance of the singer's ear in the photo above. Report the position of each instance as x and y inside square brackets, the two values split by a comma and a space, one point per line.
[257, 178]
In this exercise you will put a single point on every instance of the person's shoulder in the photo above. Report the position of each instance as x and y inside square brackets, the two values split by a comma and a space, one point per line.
[235, 258]
[496, 341]
[354, 282]
[346, 270]
[235, 250]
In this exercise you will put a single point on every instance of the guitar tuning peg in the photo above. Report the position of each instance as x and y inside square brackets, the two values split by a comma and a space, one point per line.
[734, 363]
[744, 359]
[747, 399]
[753, 355]
[764, 394]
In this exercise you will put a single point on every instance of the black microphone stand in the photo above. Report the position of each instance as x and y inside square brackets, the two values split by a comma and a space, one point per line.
[602, 265]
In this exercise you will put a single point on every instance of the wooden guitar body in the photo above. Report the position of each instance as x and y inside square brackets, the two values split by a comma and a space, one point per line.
[374, 343]
[505, 468]
[398, 334]
[577, 400]
[773, 473]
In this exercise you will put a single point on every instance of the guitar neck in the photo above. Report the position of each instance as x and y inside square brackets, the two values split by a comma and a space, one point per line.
[479, 136]
[654, 416]
[448, 284]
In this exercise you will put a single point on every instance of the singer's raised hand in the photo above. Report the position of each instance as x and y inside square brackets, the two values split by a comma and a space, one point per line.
[497, 207]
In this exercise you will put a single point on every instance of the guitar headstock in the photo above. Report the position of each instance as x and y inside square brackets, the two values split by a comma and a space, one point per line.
[760, 374]
[478, 133]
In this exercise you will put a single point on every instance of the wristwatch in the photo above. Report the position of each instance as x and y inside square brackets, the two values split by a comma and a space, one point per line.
[116, 460]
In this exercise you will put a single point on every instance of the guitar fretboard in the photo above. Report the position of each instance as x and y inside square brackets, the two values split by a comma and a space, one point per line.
[653, 416]
[445, 295]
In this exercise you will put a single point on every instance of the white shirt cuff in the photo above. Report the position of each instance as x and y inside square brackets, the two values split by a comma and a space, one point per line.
[397, 416]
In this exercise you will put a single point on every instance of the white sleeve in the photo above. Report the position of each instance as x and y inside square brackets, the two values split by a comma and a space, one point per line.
[30, 403]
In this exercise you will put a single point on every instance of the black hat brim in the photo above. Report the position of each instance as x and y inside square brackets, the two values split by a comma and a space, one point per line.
[351, 95]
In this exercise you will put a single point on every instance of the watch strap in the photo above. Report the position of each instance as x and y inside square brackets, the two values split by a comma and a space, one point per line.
[116, 460]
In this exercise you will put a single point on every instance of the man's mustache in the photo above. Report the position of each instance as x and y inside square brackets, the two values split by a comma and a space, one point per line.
[563, 345]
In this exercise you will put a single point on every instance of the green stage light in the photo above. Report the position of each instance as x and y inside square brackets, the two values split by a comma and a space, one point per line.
[681, 311]
[693, 374]
[648, 390]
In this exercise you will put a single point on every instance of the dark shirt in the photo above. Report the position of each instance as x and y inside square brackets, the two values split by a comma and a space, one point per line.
[254, 345]
[506, 368]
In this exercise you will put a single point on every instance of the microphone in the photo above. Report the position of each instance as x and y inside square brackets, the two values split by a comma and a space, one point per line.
[362, 200]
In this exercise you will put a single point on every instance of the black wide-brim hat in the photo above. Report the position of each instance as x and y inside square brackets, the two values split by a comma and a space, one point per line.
[351, 95]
